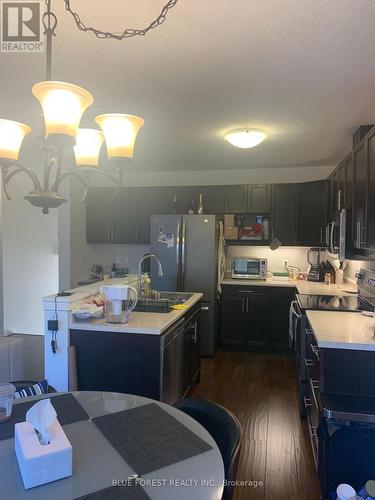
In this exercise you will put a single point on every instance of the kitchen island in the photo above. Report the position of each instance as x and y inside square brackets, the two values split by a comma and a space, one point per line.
[155, 355]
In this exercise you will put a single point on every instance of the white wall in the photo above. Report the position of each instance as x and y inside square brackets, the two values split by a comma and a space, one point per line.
[30, 260]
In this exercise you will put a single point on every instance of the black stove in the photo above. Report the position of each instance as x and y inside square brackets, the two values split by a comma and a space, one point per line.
[345, 303]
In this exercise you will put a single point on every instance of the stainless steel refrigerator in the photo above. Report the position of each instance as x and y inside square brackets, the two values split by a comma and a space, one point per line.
[187, 246]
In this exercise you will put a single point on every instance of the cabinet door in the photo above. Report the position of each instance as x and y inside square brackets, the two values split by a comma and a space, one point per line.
[360, 195]
[311, 212]
[213, 199]
[126, 224]
[341, 186]
[256, 319]
[232, 315]
[284, 216]
[236, 199]
[99, 213]
[349, 182]
[371, 198]
[259, 198]
[334, 191]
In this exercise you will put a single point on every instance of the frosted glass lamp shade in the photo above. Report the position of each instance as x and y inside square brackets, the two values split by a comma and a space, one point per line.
[120, 132]
[63, 105]
[245, 138]
[11, 136]
[88, 145]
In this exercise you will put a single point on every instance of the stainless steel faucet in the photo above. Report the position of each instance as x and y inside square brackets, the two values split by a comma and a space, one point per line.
[160, 269]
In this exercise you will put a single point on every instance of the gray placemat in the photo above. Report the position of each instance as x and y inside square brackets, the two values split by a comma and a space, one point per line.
[149, 438]
[117, 493]
[67, 408]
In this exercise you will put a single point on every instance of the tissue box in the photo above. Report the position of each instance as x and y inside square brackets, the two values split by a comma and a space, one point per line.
[40, 464]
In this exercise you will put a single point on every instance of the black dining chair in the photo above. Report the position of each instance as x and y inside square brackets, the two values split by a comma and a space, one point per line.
[226, 430]
[23, 384]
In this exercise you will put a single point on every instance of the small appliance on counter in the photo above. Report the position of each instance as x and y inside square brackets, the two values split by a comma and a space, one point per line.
[251, 268]
[120, 300]
[316, 272]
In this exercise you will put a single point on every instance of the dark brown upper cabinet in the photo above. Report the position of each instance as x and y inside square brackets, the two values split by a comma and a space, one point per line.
[284, 213]
[312, 212]
[236, 199]
[259, 198]
[360, 166]
[253, 198]
[370, 243]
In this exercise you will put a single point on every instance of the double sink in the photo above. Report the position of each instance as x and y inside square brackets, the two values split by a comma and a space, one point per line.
[161, 302]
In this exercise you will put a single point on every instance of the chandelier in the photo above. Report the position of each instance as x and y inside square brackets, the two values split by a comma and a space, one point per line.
[63, 105]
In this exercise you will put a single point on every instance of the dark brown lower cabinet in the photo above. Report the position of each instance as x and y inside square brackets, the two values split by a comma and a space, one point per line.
[255, 317]
[162, 367]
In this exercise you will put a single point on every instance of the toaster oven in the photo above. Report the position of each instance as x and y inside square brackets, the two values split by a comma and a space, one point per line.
[250, 268]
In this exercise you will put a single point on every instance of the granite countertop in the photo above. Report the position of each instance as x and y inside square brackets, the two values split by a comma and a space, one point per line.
[303, 287]
[342, 330]
[140, 322]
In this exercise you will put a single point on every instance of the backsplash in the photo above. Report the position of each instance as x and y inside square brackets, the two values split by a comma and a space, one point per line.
[296, 256]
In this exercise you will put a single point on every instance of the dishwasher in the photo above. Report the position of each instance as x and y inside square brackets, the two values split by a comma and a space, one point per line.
[172, 352]
[180, 358]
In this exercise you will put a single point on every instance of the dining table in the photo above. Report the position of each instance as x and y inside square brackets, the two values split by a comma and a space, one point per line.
[124, 447]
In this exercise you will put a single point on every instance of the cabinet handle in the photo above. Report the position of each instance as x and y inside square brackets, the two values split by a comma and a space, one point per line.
[245, 291]
[307, 402]
[309, 362]
[137, 232]
[339, 200]
[205, 308]
[315, 384]
[321, 235]
[315, 350]
[112, 233]
[242, 305]
[247, 304]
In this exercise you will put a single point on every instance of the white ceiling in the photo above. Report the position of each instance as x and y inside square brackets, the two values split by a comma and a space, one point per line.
[302, 70]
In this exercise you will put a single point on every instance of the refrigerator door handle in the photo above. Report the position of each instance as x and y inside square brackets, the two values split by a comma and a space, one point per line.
[178, 256]
[183, 255]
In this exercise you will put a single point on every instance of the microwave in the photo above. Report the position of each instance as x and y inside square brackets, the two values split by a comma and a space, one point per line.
[249, 268]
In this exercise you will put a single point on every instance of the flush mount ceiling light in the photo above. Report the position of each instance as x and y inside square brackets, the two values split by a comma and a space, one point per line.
[63, 105]
[245, 138]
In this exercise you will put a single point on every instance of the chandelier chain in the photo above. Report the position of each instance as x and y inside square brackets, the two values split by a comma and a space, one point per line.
[49, 20]
[127, 33]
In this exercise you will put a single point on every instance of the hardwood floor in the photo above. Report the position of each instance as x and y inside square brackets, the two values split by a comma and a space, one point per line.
[262, 391]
